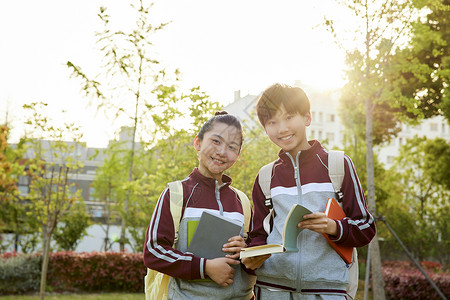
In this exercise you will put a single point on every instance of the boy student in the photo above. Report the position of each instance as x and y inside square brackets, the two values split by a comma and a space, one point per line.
[300, 175]
[207, 188]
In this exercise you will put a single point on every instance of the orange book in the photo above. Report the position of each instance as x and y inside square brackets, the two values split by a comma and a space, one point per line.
[334, 211]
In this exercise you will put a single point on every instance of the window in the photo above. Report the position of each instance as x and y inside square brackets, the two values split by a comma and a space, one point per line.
[313, 133]
[320, 117]
[320, 135]
[91, 194]
[330, 136]
[73, 190]
[331, 118]
[24, 190]
[433, 126]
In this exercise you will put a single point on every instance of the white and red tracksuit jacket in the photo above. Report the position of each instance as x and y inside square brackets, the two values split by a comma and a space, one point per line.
[304, 179]
[200, 193]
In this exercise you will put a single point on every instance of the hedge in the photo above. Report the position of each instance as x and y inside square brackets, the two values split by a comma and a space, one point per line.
[403, 280]
[19, 274]
[124, 272]
[73, 272]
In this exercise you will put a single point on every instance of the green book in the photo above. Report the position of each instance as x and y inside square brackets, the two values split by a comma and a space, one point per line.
[192, 225]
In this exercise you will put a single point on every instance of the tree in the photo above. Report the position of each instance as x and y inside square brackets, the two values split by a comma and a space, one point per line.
[171, 157]
[49, 198]
[108, 187]
[132, 79]
[437, 161]
[8, 181]
[11, 169]
[72, 227]
[422, 70]
[426, 199]
[384, 24]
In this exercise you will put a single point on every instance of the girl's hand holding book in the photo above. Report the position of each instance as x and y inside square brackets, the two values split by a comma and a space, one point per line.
[234, 245]
[220, 270]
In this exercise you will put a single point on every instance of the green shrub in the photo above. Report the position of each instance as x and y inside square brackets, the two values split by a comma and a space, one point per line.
[20, 274]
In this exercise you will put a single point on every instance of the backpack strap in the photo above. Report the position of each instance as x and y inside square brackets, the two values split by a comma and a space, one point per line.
[264, 179]
[160, 281]
[176, 204]
[246, 208]
[336, 171]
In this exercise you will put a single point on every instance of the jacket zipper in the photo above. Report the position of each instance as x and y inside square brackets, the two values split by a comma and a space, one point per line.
[217, 192]
[299, 191]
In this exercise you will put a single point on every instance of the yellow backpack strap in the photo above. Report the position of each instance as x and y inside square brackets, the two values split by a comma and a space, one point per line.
[176, 204]
[156, 284]
[246, 208]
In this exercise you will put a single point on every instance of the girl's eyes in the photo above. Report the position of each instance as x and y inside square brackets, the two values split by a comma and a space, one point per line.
[231, 147]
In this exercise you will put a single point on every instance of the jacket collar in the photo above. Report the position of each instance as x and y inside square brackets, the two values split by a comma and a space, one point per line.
[304, 154]
[208, 181]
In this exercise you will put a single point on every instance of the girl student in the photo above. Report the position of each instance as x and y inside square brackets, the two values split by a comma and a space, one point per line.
[218, 145]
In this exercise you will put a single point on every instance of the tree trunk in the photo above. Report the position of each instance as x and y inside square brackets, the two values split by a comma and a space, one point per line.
[375, 256]
[45, 259]
[130, 172]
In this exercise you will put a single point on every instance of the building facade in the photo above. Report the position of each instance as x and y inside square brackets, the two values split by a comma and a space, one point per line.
[326, 125]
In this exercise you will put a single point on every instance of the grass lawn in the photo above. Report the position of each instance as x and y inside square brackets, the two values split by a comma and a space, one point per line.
[108, 296]
[119, 296]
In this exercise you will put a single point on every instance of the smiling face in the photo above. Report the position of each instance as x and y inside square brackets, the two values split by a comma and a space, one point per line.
[288, 130]
[218, 150]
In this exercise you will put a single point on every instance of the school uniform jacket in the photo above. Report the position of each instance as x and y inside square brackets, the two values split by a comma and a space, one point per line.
[199, 194]
[316, 268]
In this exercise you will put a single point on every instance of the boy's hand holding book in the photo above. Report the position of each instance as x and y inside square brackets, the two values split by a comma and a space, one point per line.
[319, 222]
[254, 262]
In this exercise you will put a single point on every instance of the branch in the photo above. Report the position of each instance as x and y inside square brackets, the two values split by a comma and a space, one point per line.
[88, 86]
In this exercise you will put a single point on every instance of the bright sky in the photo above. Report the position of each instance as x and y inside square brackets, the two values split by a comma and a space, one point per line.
[221, 46]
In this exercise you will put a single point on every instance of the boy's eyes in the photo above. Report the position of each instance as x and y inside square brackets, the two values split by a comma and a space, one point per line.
[273, 122]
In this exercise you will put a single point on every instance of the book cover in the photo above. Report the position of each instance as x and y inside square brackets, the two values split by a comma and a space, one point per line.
[334, 211]
[192, 225]
[211, 233]
[290, 233]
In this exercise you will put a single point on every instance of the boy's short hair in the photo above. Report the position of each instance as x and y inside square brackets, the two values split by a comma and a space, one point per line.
[293, 99]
